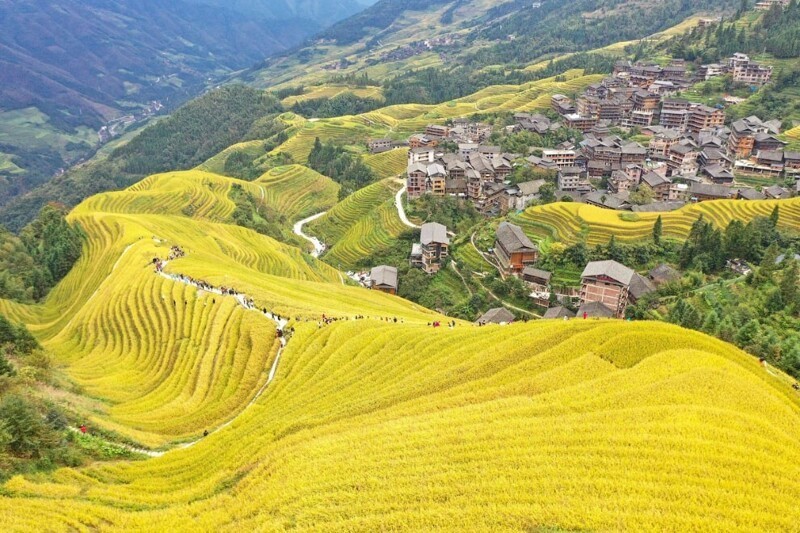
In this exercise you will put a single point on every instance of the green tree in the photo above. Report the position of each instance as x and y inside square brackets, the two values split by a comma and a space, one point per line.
[658, 229]
[30, 435]
[789, 290]
[547, 193]
[775, 216]
[6, 369]
[614, 250]
[642, 195]
[711, 323]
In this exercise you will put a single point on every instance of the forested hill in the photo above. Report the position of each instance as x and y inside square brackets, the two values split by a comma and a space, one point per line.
[69, 67]
[198, 130]
[397, 38]
[323, 12]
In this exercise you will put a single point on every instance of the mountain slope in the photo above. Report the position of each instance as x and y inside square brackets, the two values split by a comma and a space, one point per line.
[373, 424]
[67, 68]
[323, 12]
[471, 39]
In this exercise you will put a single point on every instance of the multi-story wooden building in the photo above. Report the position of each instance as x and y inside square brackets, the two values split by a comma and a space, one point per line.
[613, 286]
[562, 158]
[703, 117]
[513, 248]
[383, 278]
[434, 247]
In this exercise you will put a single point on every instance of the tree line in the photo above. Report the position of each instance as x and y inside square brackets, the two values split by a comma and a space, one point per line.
[42, 254]
[343, 167]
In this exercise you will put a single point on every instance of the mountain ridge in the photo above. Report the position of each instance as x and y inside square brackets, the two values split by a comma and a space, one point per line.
[68, 68]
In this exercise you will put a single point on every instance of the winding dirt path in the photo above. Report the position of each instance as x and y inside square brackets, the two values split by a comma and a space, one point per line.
[244, 301]
[401, 211]
[319, 247]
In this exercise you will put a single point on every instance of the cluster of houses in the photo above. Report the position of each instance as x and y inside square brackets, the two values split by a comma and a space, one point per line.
[465, 133]
[415, 48]
[478, 172]
[690, 156]
[678, 165]
[741, 68]
[607, 287]
[429, 254]
[766, 5]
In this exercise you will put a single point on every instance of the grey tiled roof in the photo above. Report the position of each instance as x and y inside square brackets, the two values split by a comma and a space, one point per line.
[513, 238]
[498, 315]
[558, 312]
[611, 269]
[595, 309]
[384, 275]
[434, 232]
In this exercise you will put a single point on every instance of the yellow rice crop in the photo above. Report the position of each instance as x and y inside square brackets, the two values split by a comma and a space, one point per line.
[570, 222]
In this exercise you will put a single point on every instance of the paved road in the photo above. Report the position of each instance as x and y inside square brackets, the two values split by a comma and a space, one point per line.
[298, 230]
[401, 211]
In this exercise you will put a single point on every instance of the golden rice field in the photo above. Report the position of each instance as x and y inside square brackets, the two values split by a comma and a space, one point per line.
[166, 361]
[388, 164]
[345, 130]
[329, 91]
[375, 425]
[293, 191]
[793, 133]
[792, 136]
[361, 224]
[217, 163]
[570, 222]
[406, 119]
[296, 191]
[380, 424]
[584, 425]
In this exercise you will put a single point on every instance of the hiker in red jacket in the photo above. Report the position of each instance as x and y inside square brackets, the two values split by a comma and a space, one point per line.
[83, 429]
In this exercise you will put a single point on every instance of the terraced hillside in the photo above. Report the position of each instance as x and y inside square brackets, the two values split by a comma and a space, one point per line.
[380, 423]
[569, 222]
[368, 425]
[327, 91]
[167, 360]
[250, 149]
[361, 224]
[297, 191]
[402, 120]
[388, 164]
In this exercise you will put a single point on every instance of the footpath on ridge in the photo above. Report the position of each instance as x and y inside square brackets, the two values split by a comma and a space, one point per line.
[249, 305]
[319, 247]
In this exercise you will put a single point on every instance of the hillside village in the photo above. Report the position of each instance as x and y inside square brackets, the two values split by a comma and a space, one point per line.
[452, 264]
[633, 144]
[690, 154]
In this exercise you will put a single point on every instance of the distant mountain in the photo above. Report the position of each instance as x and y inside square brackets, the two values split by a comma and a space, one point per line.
[67, 67]
[323, 12]
[386, 39]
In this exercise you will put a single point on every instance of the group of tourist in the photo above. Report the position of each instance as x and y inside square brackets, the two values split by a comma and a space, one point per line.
[175, 252]
[438, 324]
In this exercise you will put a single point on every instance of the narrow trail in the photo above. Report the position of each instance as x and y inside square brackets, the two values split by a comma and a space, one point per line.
[505, 303]
[134, 449]
[460, 275]
[248, 305]
[401, 212]
[485, 258]
[319, 247]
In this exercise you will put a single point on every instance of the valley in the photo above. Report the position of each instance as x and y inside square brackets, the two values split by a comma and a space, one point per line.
[447, 265]
[76, 75]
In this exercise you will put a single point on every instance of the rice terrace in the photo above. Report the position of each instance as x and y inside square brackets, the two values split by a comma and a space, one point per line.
[448, 265]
